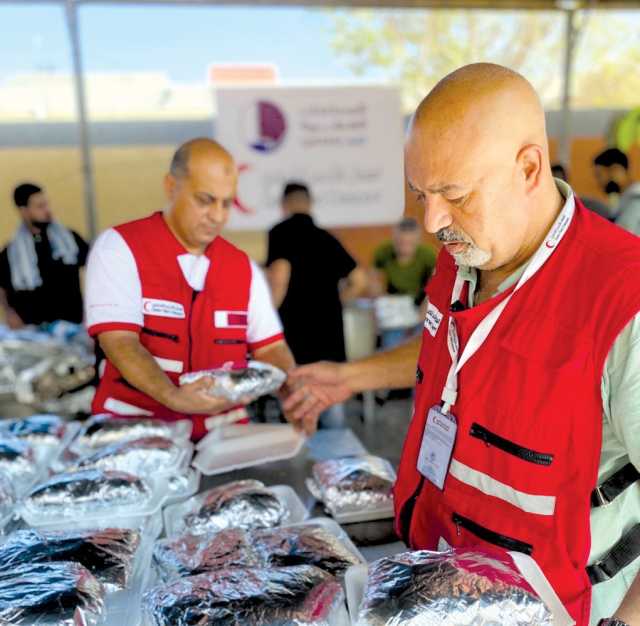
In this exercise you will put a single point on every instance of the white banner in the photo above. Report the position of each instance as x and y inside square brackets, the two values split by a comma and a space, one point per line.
[345, 142]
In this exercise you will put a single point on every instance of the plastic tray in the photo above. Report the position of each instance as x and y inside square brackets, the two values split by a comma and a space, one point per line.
[175, 514]
[131, 514]
[236, 446]
[183, 486]
[124, 608]
[382, 511]
[356, 581]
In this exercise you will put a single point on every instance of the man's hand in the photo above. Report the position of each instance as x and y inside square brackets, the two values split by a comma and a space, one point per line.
[14, 322]
[315, 388]
[194, 398]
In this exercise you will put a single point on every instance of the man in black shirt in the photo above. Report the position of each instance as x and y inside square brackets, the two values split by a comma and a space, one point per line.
[40, 267]
[308, 271]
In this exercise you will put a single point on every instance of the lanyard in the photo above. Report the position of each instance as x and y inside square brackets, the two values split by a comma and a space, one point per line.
[482, 331]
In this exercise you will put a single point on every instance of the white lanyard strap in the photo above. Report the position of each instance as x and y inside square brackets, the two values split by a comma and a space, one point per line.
[482, 331]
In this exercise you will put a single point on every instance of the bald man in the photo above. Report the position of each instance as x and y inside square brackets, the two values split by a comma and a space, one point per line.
[525, 434]
[166, 294]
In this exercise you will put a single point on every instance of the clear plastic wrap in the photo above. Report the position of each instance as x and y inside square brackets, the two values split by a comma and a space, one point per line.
[50, 594]
[295, 596]
[75, 494]
[305, 544]
[354, 484]
[105, 430]
[18, 462]
[7, 500]
[107, 553]
[147, 456]
[449, 589]
[246, 504]
[255, 380]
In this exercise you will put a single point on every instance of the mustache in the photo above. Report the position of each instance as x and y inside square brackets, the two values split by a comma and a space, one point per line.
[446, 235]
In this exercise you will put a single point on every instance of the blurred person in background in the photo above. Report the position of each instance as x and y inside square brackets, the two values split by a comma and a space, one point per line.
[559, 171]
[40, 267]
[402, 266]
[614, 177]
[310, 274]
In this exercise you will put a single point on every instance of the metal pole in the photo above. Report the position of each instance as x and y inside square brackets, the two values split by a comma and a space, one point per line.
[564, 143]
[83, 123]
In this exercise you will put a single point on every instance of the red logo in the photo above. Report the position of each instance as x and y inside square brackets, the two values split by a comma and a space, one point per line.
[243, 208]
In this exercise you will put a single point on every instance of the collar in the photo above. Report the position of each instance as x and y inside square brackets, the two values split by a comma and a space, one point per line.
[470, 274]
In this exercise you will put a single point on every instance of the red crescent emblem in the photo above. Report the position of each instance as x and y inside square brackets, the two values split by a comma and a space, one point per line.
[243, 208]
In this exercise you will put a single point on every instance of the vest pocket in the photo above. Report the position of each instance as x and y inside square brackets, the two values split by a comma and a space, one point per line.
[160, 334]
[490, 536]
[510, 447]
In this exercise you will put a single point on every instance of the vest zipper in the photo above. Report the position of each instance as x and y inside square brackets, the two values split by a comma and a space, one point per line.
[194, 295]
[229, 342]
[490, 536]
[157, 333]
[526, 454]
[406, 512]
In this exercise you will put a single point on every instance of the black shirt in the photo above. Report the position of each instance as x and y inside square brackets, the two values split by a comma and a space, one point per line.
[59, 296]
[311, 311]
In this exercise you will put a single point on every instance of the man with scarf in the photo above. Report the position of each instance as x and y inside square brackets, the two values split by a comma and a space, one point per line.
[40, 267]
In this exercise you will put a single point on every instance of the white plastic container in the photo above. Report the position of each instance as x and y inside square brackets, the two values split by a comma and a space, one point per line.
[182, 486]
[132, 514]
[372, 512]
[356, 582]
[124, 608]
[236, 446]
[174, 515]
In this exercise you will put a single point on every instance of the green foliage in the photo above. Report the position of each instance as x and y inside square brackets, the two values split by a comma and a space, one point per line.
[416, 47]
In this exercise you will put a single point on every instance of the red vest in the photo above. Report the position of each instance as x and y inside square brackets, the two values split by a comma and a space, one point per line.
[529, 409]
[184, 330]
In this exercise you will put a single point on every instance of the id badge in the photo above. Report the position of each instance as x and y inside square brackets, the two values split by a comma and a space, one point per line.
[437, 446]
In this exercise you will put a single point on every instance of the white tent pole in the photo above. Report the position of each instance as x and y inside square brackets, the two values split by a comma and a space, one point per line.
[83, 123]
[564, 143]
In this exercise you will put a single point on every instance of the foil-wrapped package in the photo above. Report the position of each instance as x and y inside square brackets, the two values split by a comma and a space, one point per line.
[107, 553]
[306, 544]
[255, 380]
[50, 594]
[354, 483]
[104, 430]
[244, 504]
[38, 430]
[291, 596]
[42, 370]
[86, 492]
[189, 555]
[18, 461]
[449, 589]
[147, 456]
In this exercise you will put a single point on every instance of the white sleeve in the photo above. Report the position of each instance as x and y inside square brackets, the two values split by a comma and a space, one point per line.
[264, 326]
[113, 295]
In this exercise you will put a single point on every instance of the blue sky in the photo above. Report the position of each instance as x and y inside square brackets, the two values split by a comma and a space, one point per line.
[179, 41]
